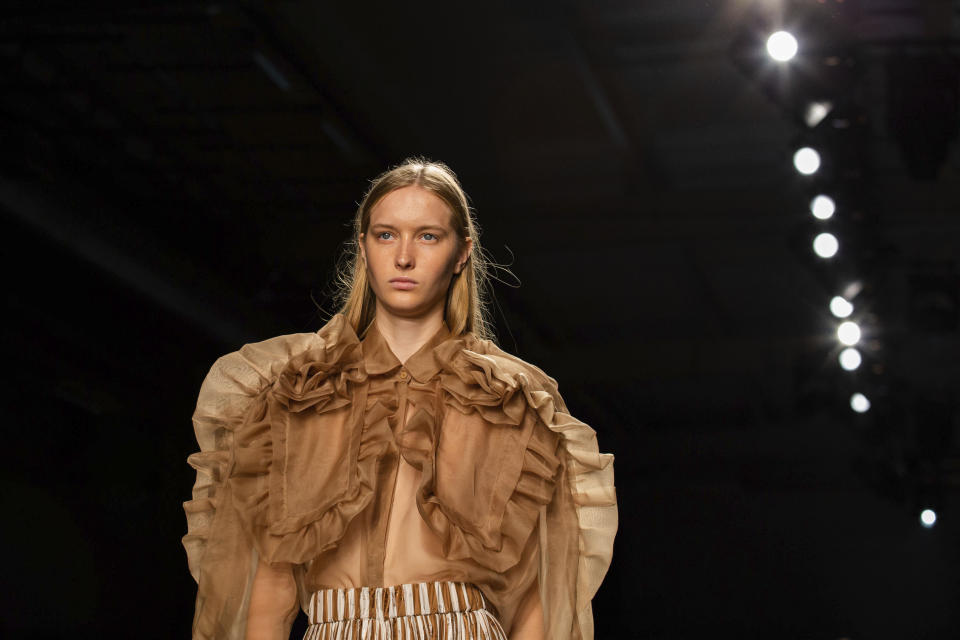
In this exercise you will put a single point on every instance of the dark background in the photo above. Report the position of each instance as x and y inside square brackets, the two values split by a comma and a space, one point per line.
[177, 178]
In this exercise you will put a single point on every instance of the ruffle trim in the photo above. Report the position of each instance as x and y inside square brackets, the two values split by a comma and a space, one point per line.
[589, 472]
[330, 376]
[218, 551]
[324, 372]
[524, 484]
[327, 377]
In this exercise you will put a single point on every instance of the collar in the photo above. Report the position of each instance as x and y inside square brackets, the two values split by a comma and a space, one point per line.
[422, 365]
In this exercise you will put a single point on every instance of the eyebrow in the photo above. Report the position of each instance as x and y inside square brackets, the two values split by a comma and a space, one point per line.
[381, 225]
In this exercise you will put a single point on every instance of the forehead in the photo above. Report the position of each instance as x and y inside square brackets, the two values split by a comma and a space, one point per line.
[411, 205]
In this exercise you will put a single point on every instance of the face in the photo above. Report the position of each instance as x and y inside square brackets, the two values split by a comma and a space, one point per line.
[411, 252]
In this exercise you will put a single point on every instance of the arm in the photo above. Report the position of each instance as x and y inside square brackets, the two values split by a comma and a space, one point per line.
[273, 602]
[528, 624]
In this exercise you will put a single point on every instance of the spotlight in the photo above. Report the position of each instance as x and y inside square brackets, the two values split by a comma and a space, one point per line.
[850, 359]
[840, 308]
[782, 46]
[928, 518]
[806, 160]
[826, 245]
[848, 333]
[852, 290]
[859, 403]
[816, 112]
[822, 207]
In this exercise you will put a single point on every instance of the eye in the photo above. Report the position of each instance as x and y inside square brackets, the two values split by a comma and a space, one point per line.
[431, 237]
[381, 234]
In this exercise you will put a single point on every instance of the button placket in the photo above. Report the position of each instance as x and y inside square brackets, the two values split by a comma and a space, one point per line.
[377, 560]
[402, 388]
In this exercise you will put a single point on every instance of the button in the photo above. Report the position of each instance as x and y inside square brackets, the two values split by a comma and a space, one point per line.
[403, 374]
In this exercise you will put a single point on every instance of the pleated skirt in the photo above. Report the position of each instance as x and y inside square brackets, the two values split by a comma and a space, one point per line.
[419, 611]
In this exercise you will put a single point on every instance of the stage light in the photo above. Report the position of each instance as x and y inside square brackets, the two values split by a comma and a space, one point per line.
[859, 403]
[850, 359]
[826, 245]
[848, 333]
[806, 160]
[852, 290]
[840, 308]
[782, 46]
[928, 518]
[822, 207]
[816, 112]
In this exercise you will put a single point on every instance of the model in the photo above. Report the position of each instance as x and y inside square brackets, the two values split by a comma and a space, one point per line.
[396, 474]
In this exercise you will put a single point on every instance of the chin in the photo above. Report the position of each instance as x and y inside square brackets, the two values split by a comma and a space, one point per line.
[406, 308]
[404, 311]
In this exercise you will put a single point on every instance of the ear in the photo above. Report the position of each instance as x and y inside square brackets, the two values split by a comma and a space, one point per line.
[464, 254]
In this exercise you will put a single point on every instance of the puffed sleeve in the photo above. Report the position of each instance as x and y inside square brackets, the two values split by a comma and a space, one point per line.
[220, 553]
[578, 526]
[563, 488]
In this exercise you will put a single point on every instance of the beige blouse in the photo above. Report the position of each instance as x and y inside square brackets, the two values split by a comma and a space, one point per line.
[462, 463]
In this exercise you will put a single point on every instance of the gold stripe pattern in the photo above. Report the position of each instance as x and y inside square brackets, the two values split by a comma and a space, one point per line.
[416, 611]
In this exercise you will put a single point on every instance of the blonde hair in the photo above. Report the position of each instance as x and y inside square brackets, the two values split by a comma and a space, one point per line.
[466, 307]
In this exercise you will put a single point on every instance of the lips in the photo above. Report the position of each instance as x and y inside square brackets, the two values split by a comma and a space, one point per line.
[403, 283]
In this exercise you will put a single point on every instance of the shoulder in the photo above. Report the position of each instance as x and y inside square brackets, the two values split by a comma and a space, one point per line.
[253, 366]
[509, 368]
[235, 379]
[256, 363]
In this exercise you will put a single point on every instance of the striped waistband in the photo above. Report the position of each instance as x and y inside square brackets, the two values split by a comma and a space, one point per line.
[330, 605]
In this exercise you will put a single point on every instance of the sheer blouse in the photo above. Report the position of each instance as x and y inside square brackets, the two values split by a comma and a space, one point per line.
[461, 463]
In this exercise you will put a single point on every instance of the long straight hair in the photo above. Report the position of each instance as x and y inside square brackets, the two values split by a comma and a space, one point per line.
[466, 306]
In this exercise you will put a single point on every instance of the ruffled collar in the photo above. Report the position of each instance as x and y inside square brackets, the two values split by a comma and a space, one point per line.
[322, 375]
[422, 365]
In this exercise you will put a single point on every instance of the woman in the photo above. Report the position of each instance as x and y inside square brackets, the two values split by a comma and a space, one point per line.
[396, 474]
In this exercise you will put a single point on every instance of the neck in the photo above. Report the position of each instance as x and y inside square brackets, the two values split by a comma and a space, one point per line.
[406, 335]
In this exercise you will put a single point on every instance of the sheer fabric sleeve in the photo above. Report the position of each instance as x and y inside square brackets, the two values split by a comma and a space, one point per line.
[576, 528]
[220, 553]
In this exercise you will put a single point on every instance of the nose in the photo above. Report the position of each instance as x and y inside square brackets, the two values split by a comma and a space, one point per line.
[404, 257]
